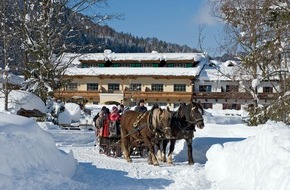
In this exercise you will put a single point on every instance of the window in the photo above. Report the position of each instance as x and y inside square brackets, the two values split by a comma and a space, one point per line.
[232, 88]
[135, 65]
[135, 87]
[146, 65]
[206, 105]
[188, 65]
[92, 86]
[268, 89]
[204, 88]
[115, 65]
[159, 103]
[113, 86]
[157, 87]
[180, 65]
[176, 105]
[232, 106]
[72, 86]
[124, 65]
[179, 88]
[170, 64]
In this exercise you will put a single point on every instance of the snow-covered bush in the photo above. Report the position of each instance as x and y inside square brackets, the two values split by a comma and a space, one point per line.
[74, 111]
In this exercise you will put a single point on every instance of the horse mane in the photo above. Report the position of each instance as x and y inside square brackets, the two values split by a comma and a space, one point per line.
[154, 118]
[155, 106]
[198, 105]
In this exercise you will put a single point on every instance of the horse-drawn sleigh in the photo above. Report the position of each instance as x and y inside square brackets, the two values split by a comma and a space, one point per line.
[136, 130]
[141, 133]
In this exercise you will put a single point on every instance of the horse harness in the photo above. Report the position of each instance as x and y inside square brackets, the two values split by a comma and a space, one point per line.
[194, 122]
[149, 122]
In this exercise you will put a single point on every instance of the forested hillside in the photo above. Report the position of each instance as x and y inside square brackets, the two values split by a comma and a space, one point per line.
[97, 38]
[70, 32]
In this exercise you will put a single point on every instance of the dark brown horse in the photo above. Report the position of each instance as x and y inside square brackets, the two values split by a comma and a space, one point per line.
[144, 127]
[183, 124]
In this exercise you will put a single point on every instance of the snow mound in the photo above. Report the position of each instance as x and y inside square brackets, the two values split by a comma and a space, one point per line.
[28, 154]
[64, 118]
[74, 110]
[22, 99]
[252, 163]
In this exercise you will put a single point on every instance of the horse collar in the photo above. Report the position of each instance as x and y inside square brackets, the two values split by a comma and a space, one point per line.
[139, 118]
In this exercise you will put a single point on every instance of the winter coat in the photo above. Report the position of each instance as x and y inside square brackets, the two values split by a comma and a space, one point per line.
[104, 131]
[114, 116]
[140, 109]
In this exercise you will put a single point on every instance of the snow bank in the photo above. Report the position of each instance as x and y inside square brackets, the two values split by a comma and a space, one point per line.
[261, 162]
[22, 99]
[28, 154]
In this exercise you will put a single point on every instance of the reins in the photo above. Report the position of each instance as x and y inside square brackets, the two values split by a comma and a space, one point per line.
[194, 122]
[135, 130]
[135, 126]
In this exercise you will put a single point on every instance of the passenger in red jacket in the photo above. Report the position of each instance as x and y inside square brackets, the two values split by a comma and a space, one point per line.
[114, 122]
[102, 125]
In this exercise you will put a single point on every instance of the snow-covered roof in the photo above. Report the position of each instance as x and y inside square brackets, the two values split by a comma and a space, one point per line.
[222, 71]
[108, 55]
[12, 79]
[136, 71]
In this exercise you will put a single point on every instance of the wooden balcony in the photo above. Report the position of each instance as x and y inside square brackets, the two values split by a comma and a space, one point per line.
[232, 95]
[183, 96]
[70, 94]
[165, 96]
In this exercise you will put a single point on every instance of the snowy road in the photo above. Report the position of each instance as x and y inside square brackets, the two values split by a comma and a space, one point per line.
[98, 171]
[228, 155]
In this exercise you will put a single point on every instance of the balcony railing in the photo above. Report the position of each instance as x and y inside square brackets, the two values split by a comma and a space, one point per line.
[184, 96]
[158, 95]
[70, 94]
[232, 95]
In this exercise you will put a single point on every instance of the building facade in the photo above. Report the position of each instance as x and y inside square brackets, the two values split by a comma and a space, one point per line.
[164, 78]
[226, 86]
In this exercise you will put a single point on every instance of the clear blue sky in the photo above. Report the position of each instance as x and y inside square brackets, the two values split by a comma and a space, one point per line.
[168, 20]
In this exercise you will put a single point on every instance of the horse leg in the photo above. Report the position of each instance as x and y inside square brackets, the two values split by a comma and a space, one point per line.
[171, 149]
[151, 157]
[159, 151]
[164, 145]
[125, 147]
[189, 151]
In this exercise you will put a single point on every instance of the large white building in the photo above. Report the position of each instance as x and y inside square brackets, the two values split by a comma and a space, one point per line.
[164, 78]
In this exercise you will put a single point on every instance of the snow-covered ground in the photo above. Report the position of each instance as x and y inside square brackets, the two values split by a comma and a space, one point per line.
[228, 155]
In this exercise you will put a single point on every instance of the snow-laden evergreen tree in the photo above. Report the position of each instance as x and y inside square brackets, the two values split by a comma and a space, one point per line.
[259, 29]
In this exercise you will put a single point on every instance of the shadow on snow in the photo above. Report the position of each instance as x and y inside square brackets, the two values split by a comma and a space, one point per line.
[200, 146]
[96, 178]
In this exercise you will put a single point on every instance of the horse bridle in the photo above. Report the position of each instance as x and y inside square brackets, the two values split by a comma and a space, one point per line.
[195, 120]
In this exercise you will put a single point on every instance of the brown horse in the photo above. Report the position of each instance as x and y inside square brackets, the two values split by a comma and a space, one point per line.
[183, 126]
[144, 127]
